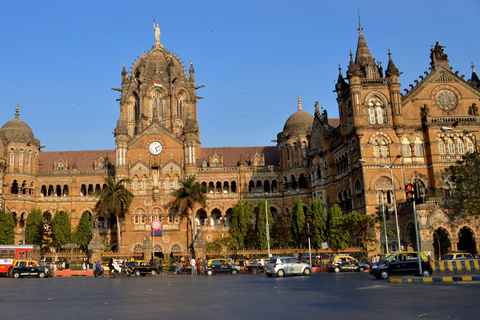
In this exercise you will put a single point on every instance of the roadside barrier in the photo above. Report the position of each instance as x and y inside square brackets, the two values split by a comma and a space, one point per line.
[456, 265]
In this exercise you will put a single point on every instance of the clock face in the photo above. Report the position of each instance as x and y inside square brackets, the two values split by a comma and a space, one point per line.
[155, 148]
[446, 100]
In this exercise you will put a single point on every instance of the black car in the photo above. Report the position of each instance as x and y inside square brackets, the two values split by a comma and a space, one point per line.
[30, 268]
[221, 266]
[401, 263]
[255, 267]
[345, 262]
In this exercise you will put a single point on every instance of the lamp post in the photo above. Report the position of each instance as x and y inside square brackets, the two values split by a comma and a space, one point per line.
[267, 227]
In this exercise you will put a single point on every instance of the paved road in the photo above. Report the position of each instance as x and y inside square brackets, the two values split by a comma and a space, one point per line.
[336, 296]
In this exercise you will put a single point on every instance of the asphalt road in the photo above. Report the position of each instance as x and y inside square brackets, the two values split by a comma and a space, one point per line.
[336, 296]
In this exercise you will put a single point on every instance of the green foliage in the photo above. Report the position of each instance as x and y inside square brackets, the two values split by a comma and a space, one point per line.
[7, 228]
[219, 245]
[114, 199]
[466, 176]
[83, 232]
[281, 232]
[61, 228]
[338, 237]
[260, 224]
[251, 237]
[242, 213]
[316, 219]
[298, 223]
[361, 228]
[34, 228]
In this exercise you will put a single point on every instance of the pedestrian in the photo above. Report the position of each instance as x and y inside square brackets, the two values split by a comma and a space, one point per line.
[160, 265]
[181, 267]
[178, 267]
[193, 264]
[198, 266]
[84, 267]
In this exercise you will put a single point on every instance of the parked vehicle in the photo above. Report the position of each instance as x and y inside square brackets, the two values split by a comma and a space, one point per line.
[30, 268]
[345, 262]
[142, 268]
[458, 255]
[221, 266]
[255, 267]
[400, 263]
[281, 266]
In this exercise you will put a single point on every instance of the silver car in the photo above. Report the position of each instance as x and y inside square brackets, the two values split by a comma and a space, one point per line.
[285, 266]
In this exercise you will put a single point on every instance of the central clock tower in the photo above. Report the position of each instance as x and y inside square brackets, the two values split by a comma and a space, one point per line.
[157, 139]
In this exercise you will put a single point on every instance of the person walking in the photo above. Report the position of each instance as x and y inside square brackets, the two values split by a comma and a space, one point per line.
[178, 271]
[198, 266]
[193, 265]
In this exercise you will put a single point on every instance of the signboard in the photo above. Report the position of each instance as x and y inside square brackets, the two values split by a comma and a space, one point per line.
[156, 225]
[324, 245]
[6, 261]
[156, 233]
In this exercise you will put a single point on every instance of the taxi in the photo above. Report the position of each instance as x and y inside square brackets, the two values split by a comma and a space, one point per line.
[30, 268]
[221, 266]
[458, 255]
[142, 268]
[400, 263]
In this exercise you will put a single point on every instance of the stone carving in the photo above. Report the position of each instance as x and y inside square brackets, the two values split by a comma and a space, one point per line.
[157, 32]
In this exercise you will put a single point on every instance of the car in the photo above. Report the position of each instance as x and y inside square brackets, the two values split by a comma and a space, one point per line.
[30, 268]
[281, 266]
[142, 268]
[255, 267]
[458, 255]
[221, 266]
[400, 263]
[345, 262]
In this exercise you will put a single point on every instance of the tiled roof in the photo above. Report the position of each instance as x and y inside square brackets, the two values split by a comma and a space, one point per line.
[85, 159]
[335, 122]
[232, 155]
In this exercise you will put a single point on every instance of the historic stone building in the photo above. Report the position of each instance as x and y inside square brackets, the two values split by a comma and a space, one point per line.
[381, 133]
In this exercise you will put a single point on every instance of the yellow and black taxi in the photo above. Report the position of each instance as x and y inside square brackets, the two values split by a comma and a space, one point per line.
[30, 268]
[142, 268]
[400, 263]
[345, 262]
[221, 266]
[458, 255]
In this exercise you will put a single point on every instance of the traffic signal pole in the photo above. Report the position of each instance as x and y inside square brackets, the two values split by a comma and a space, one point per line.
[385, 227]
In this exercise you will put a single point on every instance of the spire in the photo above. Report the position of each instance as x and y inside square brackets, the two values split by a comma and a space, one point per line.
[353, 68]
[18, 115]
[391, 69]
[340, 81]
[474, 80]
[299, 103]
[363, 55]
[317, 111]
[191, 71]
[124, 73]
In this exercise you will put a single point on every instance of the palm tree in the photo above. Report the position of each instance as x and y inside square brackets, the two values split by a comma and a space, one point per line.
[114, 199]
[186, 197]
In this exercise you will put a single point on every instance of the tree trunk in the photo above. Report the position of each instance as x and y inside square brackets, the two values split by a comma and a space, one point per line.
[193, 234]
[119, 240]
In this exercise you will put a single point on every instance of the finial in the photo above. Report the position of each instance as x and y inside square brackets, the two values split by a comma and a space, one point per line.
[351, 54]
[389, 53]
[124, 64]
[339, 68]
[359, 22]
[299, 103]
[16, 112]
[473, 67]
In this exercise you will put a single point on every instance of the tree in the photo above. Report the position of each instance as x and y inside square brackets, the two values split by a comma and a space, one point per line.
[260, 223]
[187, 197]
[361, 228]
[316, 220]
[251, 240]
[466, 176]
[281, 232]
[338, 237]
[83, 232]
[114, 199]
[298, 223]
[34, 228]
[7, 228]
[242, 213]
[219, 245]
[61, 228]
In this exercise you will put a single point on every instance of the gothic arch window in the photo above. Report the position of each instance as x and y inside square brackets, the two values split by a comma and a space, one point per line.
[469, 144]
[138, 248]
[302, 181]
[460, 146]
[234, 186]
[376, 111]
[182, 106]
[14, 188]
[157, 104]
[381, 148]
[451, 146]
[406, 150]
[441, 147]
[136, 111]
[418, 147]
[176, 248]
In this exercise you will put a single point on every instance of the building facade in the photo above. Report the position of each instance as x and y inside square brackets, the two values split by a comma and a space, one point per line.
[381, 134]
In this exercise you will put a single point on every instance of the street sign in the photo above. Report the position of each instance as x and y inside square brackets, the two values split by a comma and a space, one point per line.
[156, 225]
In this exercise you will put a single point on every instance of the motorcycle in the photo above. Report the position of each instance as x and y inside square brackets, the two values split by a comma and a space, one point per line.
[99, 272]
[120, 271]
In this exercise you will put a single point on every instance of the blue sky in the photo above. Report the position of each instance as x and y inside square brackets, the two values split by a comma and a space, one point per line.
[61, 58]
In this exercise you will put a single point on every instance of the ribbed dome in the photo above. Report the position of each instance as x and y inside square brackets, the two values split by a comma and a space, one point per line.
[299, 123]
[157, 60]
[16, 130]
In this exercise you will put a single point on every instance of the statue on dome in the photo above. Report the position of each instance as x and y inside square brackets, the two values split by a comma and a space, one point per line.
[157, 32]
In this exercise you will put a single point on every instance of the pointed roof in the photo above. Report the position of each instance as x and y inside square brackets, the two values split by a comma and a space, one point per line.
[474, 80]
[363, 55]
[391, 69]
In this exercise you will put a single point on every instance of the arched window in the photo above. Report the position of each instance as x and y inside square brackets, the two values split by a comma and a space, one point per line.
[470, 146]
[181, 104]
[376, 111]
[441, 147]
[418, 147]
[460, 147]
[451, 147]
[158, 104]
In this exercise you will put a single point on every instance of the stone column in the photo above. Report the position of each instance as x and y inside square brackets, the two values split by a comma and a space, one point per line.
[147, 248]
[95, 247]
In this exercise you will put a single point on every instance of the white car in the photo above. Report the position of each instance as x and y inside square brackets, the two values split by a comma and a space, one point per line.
[285, 266]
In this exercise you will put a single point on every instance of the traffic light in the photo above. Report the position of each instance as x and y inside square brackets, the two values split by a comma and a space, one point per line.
[387, 213]
[410, 193]
[307, 230]
[379, 212]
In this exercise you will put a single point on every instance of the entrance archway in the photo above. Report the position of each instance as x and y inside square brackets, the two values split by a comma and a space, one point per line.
[466, 240]
[441, 242]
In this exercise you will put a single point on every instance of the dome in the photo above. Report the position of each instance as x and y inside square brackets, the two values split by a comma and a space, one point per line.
[299, 123]
[16, 130]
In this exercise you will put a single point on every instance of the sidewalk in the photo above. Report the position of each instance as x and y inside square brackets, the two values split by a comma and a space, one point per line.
[435, 279]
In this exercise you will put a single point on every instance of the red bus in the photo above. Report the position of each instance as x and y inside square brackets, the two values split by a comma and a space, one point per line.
[10, 253]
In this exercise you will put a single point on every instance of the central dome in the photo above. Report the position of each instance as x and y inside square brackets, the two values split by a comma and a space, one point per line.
[16, 130]
[299, 123]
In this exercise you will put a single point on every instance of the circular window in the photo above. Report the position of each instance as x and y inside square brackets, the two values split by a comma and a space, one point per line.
[446, 100]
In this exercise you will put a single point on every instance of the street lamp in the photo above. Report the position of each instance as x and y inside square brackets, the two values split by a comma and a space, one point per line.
[267, 226]
[393, 194]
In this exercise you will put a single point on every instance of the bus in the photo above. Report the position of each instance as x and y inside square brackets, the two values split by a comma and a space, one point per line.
[10, 253]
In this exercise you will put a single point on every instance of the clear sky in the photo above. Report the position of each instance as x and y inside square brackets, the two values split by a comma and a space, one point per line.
[60, 58]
